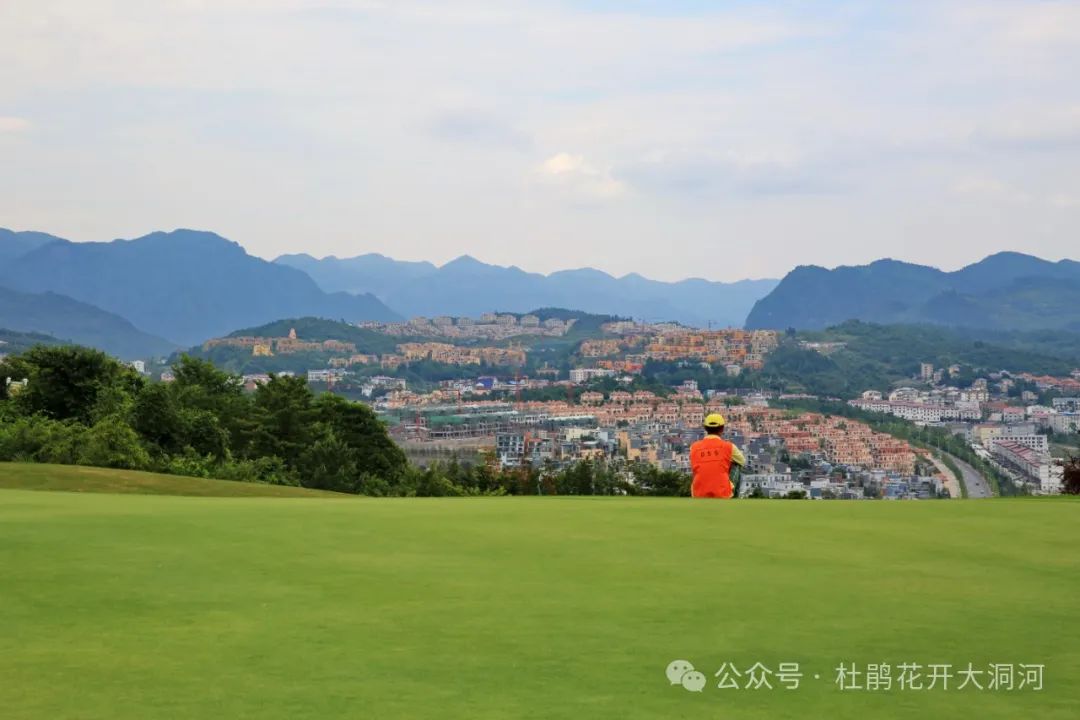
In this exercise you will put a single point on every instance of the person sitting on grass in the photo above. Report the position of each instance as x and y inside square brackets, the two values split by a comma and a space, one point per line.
[711, 460]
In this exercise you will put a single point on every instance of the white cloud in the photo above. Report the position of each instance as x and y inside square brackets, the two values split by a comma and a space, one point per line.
[983, 187]
[825, 132]
[988, 187]
[1064, 200]
[577, 174]
[13, 124]
[1041, 23]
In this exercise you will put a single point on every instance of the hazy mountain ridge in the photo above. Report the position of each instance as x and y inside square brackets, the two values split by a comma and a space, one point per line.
[1005, 291]
[466, 286]
[68, 319]
[16, 244]
[191, 285]
[186, 285]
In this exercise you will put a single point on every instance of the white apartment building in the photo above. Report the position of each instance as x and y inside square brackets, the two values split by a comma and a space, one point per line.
[1034, 466]
[1036, 442]
[904, 394]
[1067, 404]
[1065, 422]
[916, 412]
[325, 375]
[583, 375]
[921, 412]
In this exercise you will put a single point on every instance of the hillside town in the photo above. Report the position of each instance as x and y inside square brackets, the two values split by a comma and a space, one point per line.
[624, 347]
[1013, 436]
[489, 326]
[595, 408]
[787, 452]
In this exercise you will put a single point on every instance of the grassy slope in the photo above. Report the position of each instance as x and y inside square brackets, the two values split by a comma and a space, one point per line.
[29, 476]
[151, 607]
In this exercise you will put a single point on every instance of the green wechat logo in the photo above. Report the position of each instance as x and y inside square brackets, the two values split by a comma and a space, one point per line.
[682, 672]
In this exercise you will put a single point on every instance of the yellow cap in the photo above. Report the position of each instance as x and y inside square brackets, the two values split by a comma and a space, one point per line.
[714, 420]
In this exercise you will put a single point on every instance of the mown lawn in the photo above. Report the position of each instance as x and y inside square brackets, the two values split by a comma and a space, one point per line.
[73, 478]
[128, 606]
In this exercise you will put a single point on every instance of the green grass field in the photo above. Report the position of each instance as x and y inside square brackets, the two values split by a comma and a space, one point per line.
[71, 478]
[135, 606]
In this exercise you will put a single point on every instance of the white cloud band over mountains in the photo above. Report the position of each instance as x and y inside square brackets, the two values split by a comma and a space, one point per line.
[641, 135]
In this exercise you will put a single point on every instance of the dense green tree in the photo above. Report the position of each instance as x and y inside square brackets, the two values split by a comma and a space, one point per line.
[111, 442]
[81, 407]
[1070, 484]
[285, 416]
[328, 463]
[201, 386]
[651, 480]
[356, 425]
[432, 481]
[155, 415]
[36, 438]
[67, 382]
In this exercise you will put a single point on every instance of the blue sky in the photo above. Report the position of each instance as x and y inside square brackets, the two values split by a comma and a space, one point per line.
[675, 139]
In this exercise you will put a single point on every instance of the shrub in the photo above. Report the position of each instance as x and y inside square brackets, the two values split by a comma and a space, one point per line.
[112, 443]
[39, 439]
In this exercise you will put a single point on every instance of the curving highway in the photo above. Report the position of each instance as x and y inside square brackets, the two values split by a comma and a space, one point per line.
[977, 486]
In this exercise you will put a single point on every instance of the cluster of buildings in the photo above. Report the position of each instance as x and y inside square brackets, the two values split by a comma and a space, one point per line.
[846, 484]
[833, 440]
[667, 341]
[1035, 467]
[1012, 436]
[637, 343]
[642, 425]
[489, 326]
[933, 406]
[1022, 448]
[460, 355]
[746, 348]
[269, 346]
[835, 458]
[470, 391]
[1068, 385]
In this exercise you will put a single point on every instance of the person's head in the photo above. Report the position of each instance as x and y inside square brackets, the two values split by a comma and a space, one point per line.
[714, 424]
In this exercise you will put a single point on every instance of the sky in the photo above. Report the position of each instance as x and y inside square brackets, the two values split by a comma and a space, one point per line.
[674, 138]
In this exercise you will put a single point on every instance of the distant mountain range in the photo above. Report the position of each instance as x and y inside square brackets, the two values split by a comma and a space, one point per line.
[469, 287]
[146, 297]
[184, 285]
[16, 244]
[77, 322]
[1006, 291]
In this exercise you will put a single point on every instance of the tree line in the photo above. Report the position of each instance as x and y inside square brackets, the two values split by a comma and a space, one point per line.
[77, 406]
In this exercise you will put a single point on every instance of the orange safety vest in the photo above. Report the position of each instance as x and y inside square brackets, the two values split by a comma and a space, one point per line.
[710, 461]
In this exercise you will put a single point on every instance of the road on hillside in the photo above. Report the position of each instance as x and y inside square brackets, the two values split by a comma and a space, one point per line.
[952, 483]
[977, 486]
